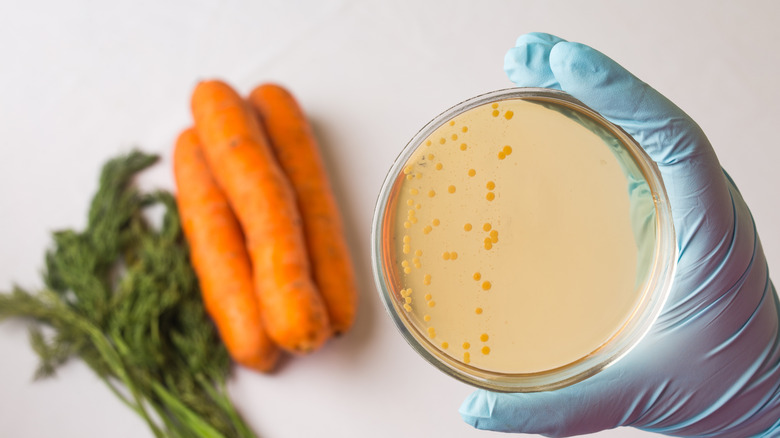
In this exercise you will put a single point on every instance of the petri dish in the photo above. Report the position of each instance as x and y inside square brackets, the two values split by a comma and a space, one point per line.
[521, 242]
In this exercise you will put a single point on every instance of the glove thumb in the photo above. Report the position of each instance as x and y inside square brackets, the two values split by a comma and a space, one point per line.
[586, 407]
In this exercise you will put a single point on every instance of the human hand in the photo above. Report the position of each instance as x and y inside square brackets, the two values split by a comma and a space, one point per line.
[710, 365]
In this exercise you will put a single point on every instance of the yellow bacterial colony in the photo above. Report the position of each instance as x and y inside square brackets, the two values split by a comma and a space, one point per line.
[511, 241]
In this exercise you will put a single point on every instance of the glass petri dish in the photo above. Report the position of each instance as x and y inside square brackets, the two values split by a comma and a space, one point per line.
[521, 242]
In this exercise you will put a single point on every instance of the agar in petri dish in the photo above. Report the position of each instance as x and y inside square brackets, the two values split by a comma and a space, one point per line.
[544, 254]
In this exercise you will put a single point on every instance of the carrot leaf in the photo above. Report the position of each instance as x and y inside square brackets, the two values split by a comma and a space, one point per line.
[121, 296]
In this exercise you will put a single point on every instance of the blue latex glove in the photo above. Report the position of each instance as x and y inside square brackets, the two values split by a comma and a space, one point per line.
[710, 365]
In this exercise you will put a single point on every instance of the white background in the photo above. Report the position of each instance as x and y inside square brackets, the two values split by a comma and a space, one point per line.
[83, 80]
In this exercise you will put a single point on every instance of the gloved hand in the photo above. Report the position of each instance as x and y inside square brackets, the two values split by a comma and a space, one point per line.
[710, 366]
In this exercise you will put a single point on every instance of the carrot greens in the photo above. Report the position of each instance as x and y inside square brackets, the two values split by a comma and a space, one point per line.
[122, 296]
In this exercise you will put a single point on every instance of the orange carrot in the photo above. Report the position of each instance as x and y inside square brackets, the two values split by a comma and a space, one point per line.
[219, 257]
[243, 165]
[291, 137]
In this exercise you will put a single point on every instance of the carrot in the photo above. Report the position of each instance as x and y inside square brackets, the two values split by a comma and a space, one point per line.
[296, 149]
[219, 257]
[243, 165]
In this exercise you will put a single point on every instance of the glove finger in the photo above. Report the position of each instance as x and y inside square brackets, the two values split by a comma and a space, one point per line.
[585, 407]
[528, 63]
[664, 130]
[698, 191]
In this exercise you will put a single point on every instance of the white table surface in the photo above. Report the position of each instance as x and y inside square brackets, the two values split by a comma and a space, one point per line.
[83, 80]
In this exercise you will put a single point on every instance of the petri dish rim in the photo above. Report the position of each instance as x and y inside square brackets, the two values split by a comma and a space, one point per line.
[638, 324]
